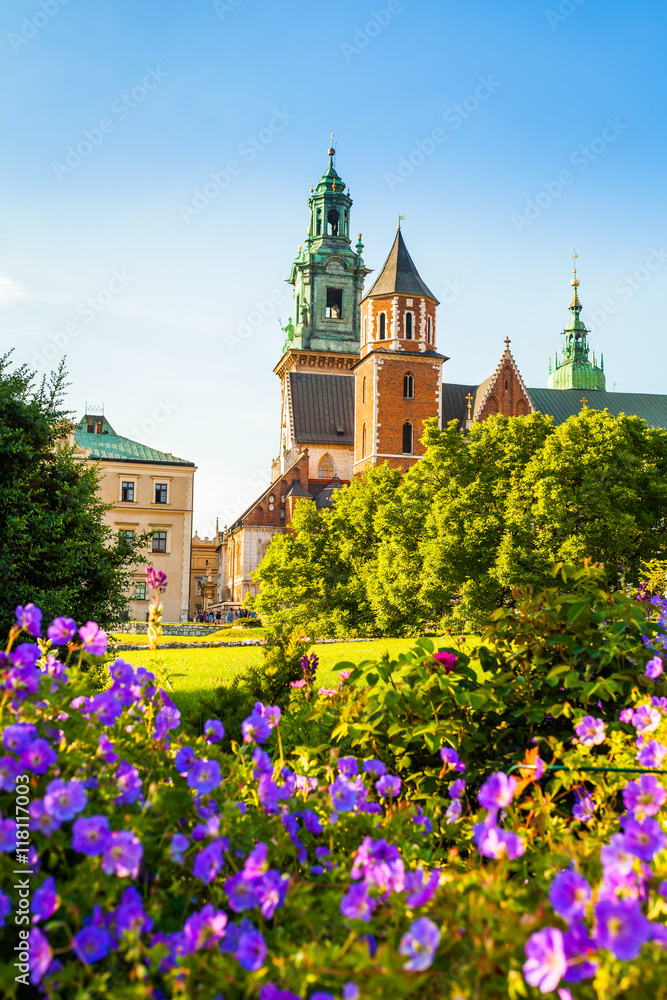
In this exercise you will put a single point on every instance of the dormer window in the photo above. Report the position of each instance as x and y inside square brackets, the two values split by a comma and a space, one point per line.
[90, 428]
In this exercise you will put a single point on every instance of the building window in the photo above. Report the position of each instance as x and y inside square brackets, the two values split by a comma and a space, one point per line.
[363, 441]
[319, 222]
[127, 538]
[282, 513]
[297, 317]
[159, 541]
[365, 329]
[428, 329]
[334, 308]
[140, 591]
[407, 438]
[363, 390]
[408, 386]
[326, 469]
[90, 428]
[408, 326]
[332, 219]
[383, 326]
[127, 492]
[160, 493]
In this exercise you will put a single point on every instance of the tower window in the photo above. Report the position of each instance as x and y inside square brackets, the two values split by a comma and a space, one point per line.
[297, 318]
[428, 329]
[363, 390]
[383, 326]
[506, 385]
[318, 228]
[365, 329]
[334, 308]
[326, 469]
[407, 438]
[408, 326]
[332, 219]
[363, 441]
[408, 387]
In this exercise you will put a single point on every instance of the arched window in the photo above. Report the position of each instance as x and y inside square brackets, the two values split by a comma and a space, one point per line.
[363, 390]
[363, 441]
[319, 222]
[383, 326]
[428, 329]
[332, 219]
[407, 438]
[325, 469]
[408, 386]
[408, 326]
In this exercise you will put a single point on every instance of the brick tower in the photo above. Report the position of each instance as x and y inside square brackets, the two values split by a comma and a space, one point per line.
[398, 379]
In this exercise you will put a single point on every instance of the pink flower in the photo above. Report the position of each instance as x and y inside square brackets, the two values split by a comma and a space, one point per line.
[654, 668]
[590, 731]
[546, 964]
[94, 639]
[344, 674]
[297, 684]
[327, 692]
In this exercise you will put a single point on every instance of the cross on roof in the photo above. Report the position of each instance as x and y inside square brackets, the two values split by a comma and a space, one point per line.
[584, 402]
[469, 401]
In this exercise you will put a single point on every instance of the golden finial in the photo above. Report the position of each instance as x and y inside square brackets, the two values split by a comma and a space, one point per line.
[507, 343]
[311, 188]
[575, 280]
[332, 151]
[584, 402]
[469, 401]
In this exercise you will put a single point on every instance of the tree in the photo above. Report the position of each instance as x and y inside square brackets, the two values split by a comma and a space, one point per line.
[55, 549]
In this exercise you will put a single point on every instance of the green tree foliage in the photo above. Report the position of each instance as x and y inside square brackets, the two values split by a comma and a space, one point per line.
[447, 543]
[55, 549]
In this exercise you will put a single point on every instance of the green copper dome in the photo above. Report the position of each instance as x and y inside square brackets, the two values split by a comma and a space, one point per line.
[574, 370]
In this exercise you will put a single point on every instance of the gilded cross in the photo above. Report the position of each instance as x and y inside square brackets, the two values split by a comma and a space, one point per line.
[507, 342]
[584, 402]
[574, 258]
[469, 401]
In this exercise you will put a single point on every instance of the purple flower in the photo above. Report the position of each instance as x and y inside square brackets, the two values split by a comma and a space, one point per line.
[421, 889]
[105, 749]
[420, 944]
[255, 727]
[122, 854]
[94, 639]
[156, 579]
[208, 862]
[584, 806]
[5, 907]
[64, 799]
[39, 756]
[272, 714]
[18, 737]
[271, 992]
[61, 630]
[241, 892]
[106, 707]
[374, 767]
[493, 842]
[644, 797]
[40, 819]
[91, 944]
[569, 894]
[213, 730]
[626, 715]
[184, 759]
[356, 904]
[621, 927]
[654, 668]
[350, 991]
[130, 915]
[204, 776]
[25, 656]
[167, 718]
[8, 830]
[251, 950]
[309, 665]
[271, 890]
[646, 719]
[90, 835]
[29, 618]
[40, 955]
[497, 791]
[388, 786]
[179, 843]
[457, 788]
[269, 793]
[45, 900]
[343, 795]
[419, 819]
[616, 856]
[9, 771]
[348, 766]
[128, 782]
[652, 754]
[453, 811]
[546, 964]
[645, 839]
[580, 951]
[256, 863]
[590, 731]
[451, 759]
[446, 660]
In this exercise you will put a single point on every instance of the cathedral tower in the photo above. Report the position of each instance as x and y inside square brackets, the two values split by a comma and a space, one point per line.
[398, 380]
[574, 370]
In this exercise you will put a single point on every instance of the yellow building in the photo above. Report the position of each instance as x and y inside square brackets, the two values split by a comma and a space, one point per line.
[204, 564]
[152, 492]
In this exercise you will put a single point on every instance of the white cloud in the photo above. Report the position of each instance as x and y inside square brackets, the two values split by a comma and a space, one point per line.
[10, 290]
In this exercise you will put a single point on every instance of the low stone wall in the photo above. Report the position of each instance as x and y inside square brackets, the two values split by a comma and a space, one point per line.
[126, 647]
[182, 628]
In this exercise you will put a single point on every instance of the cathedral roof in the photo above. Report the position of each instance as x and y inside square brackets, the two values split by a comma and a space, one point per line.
[399, 276]
[322, 408]
[564, 403]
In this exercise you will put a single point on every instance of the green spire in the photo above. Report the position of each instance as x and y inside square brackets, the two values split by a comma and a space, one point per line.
[575, 370]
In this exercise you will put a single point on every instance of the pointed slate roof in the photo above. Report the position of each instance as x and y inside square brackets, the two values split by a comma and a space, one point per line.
[399, 276]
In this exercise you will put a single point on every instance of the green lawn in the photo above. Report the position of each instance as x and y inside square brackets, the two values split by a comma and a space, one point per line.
[204, 669]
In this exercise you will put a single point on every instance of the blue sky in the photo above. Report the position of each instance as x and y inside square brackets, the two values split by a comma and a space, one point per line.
[505, 133]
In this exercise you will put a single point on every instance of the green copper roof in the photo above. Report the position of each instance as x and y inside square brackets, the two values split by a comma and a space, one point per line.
[564, 403]
[106, 444]
[574, 370]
